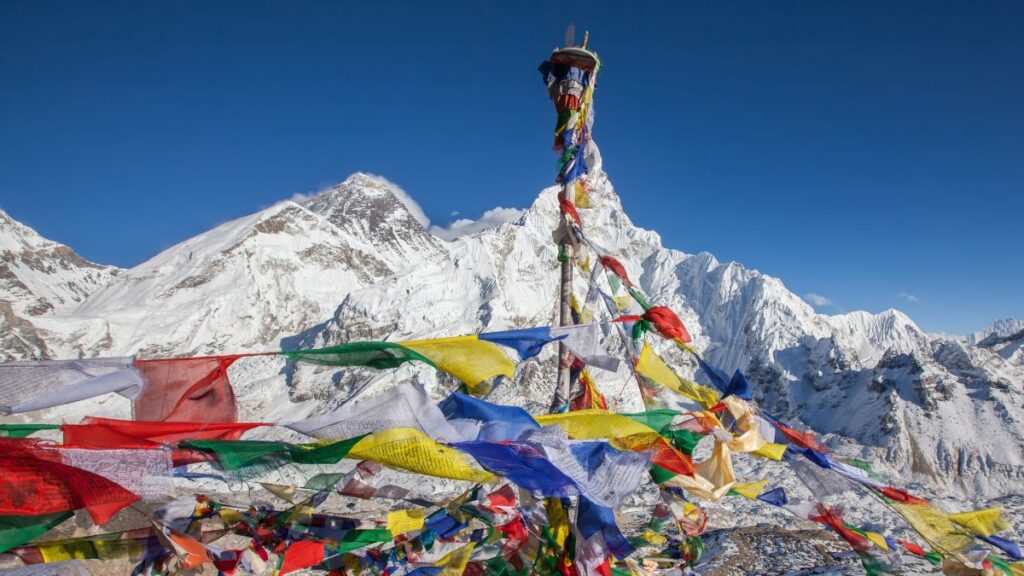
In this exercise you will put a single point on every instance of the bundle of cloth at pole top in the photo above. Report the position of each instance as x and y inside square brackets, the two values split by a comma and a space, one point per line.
[532, 494]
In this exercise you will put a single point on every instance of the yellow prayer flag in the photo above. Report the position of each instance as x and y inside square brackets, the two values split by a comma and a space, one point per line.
[654, 537]
[878, 540]
[750, 490]
[402, 521]
[412, 450]
[230, 516]
[771, 451]
[70, 549]
[467, 358]
[984, 522]
[558, 520]
[652, 367]
[454, 563]
[621, 431]
[935, 527]
[622, 302]
[283, 492]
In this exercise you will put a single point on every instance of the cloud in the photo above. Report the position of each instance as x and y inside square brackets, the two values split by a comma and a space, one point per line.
[301, 197]
[817, 299]
[907, 296]
[403, 197]
[489, 219]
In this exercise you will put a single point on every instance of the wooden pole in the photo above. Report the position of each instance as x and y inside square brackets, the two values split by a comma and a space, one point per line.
[564, 387]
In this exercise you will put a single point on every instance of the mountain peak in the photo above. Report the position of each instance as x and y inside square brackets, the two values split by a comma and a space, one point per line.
[39, 276]
[372, 207]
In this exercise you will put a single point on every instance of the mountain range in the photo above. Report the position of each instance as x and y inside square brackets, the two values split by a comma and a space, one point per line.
[354, 263]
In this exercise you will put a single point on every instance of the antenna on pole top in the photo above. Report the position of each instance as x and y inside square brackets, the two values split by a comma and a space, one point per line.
[570, 34]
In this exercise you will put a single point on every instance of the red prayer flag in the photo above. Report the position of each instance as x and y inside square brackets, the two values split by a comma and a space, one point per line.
[802, 439]
[570, 209]
[835, 520]
[501, 500]
[186, 390]
[616, 267]
[913, 548]
[302, 554]
[666, 456]
[108, 433]
[900, 496]
[667, 323]
[34, 482]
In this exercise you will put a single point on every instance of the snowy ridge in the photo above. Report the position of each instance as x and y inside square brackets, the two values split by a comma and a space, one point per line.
[353, 263]
[1003, 327]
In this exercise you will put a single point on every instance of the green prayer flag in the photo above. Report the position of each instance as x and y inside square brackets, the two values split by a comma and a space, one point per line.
[658, 420]
[659, 474]
[639, 298]
[24, 430]
[18, 530]
[380, 355]
[324, 482]
[239, 454]
[355, 539]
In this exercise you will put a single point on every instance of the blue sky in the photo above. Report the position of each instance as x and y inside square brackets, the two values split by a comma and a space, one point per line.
[871, 153]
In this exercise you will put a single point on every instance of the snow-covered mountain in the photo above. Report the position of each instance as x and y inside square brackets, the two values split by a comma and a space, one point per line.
[1000, 328]
[39, 277]
[354, 263]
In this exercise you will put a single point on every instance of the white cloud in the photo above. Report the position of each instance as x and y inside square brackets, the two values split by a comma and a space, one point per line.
[817, 299]
[301, 197]
[489, 219]
[907, 296]
[403, 197]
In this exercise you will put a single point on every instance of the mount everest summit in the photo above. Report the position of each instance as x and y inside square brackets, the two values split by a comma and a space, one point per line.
[353, 263]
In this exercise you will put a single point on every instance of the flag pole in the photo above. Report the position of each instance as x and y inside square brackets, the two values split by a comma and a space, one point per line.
[569, 76]
[564, 385]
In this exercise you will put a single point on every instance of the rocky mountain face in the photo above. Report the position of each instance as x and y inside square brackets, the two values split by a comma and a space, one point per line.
[38, 278]
[353, 263]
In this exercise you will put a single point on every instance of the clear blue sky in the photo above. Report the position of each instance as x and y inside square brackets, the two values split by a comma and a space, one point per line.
[860, 152]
